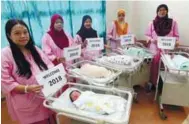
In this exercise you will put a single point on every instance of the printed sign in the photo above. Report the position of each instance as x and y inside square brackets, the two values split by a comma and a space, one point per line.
[95, 44]
[52, 79]
[166, 42]
[127, 39]
[71, 53]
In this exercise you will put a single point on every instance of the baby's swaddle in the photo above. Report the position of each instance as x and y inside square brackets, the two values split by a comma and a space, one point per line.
[100, 104]
[95, 71]
[181, 62]
[137, 52]
[178, 62]
[120, 59]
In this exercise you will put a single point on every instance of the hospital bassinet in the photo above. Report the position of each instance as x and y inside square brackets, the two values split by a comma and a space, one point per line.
[175, 81]
[74, 71]
[63, 106]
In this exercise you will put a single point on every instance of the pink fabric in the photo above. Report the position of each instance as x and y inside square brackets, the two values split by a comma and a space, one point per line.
[112, 36]
[85, 53]
[26, 108]
[152, 36]
[51, 49]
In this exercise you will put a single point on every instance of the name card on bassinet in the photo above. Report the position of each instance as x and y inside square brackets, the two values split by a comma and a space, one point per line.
[166, 42]
[95, 44]
[52, 79]
[71, 53]
[127, 39]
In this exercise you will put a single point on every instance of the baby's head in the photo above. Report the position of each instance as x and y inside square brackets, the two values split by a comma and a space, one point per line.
[74, 95]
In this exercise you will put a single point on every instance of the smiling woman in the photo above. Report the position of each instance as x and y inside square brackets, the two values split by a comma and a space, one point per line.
[19, 35]
[20, 62]
[162, 25]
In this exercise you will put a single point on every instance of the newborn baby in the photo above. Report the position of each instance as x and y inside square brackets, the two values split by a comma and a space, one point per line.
[95, 71]
[120, 59]
[97, 103]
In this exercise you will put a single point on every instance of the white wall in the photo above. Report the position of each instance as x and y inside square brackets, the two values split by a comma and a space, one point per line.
[140, 13]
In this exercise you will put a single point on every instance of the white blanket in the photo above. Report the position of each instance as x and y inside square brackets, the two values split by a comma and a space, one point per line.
[95, 71]
[64, 102]
[177, 62]
[121, 62]
[99, 103]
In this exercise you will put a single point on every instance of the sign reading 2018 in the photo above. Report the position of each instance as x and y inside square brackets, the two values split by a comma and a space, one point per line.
[52, 79]
[95, 44]
[56, 79]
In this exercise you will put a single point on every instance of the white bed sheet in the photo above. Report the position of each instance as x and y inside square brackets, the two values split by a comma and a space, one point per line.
[64, 102]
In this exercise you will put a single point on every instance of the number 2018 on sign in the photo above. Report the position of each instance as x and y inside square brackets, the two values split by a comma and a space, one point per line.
[74, 54]
[95, 45]
[56, 80]
[166, 44]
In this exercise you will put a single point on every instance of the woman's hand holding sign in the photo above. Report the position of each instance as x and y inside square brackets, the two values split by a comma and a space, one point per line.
[34, 89]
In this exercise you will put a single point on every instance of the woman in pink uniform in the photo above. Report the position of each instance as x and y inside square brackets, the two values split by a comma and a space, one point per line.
[119, 27]
[20, 62]
[86, 31]
[162, 25]
[55, 40]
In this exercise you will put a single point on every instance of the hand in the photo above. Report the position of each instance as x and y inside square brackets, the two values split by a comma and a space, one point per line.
[177, 44]
[118, 39]
[61, 60]
[153, 41]
[107, 46]
[84, 44]
[34, 89]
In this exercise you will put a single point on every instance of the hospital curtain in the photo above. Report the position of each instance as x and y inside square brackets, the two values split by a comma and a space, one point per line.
[37, 15]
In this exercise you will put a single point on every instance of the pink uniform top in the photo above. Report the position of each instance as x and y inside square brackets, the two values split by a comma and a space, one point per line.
[26, 108]
[152, 36]
[51, 49]
[89, 55]
[112, 36]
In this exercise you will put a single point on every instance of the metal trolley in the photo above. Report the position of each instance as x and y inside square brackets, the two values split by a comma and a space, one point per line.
[175, 82]
[73, 70]
[127, 71]
[60, 104]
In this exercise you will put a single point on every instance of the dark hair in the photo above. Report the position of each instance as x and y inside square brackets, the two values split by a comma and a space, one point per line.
[162, 6]
[86, 33]
[22, 64]
[71, 94]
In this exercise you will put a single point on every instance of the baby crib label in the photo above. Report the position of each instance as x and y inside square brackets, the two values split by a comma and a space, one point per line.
[52, 79]
[71, 53]
[95, 44]
[166, 42]
[127, 39]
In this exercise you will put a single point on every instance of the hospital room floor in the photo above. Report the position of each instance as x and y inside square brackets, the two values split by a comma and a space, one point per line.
[144, 112]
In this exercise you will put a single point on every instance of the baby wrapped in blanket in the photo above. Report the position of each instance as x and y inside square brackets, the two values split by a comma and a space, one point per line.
[137, 52]
[178, 62]
[97, 103]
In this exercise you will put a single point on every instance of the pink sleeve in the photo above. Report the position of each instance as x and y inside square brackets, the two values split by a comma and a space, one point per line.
[71, 40]
[110, 32]
[45, 58]
[175, 31]
[78, 39]
[8, 83]
[46, 47]
[148, 32]
[128, 30]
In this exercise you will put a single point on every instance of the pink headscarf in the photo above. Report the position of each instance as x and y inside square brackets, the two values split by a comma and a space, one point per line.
[59, 37]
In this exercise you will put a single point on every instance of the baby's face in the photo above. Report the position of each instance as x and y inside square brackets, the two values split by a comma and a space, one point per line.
[75, 95]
